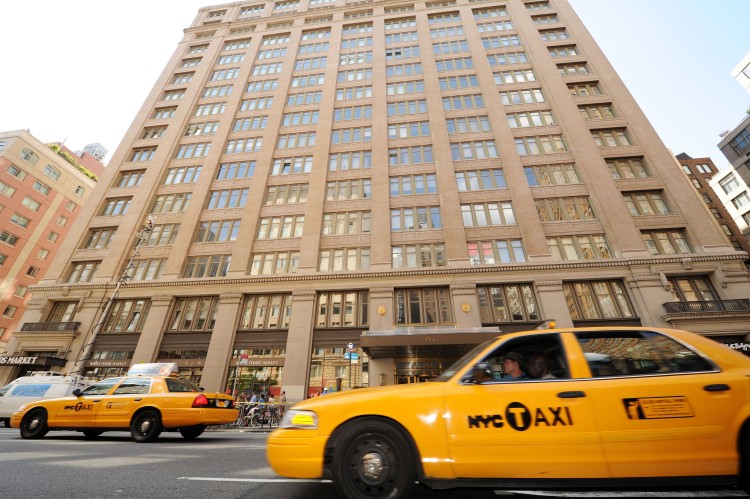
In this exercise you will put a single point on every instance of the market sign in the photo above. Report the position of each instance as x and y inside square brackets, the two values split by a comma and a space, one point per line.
[18, 361]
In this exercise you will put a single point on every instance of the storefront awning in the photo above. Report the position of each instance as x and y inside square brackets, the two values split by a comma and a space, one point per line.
[424, 342]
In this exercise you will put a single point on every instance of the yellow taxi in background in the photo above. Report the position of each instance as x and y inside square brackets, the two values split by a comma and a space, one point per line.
[148, 400]
[555, 408]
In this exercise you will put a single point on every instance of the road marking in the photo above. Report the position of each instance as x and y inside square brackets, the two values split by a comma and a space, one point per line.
[626, 493]
[258, 480]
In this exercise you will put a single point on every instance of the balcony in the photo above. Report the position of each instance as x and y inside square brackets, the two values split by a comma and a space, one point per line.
[700, 307]
[50, 326]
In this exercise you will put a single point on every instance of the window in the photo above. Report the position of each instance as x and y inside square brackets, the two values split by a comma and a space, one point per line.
[83, 271]
[127, 316]
[627, 168]
[480, 180]
[476, 150]
[174, 95]
[146, 269]
[182, 78]
[403, 37]
[6, 189]
[315, 34]
[280, 262]
[266, 69]
[353, 160]
[405, 87]
[207, 266]
[344, 259]
[131, 178]
[205, 128]
[521, 97]
[210, 109]
[217, 91]
[32, 271]
[233, 58]
[228, 198]
[407, 107]
[507, 58]
[17, 172]
[144, 154]
[729, 183]
[292, 165]
[507, 303]
[262, 86]
[530, 119]
[423, 306]
[611, 138]
[363, 92]
[41, 187]
[572, 69]
[347, 113]
[495, 252]
[496, 42]
[600, 112]
[62, 220]
[300, 118]
[31, 203]
[286, 194]
[321, 62]
[161, 113]
[560, 174]
[51, 237]
[400, 70]
[154, 132]
[248, 144]
[9, 311]
[267, 311]
[584, 247]
[352, 222]
[468, 124]
[304, 98]
[646, 203]
[163, 234]
[254, 123]
[565, 208]
[21, 291]
[668, 242]
[419, 218]
[197, 150]
[597, 300]
[418, 256]
[3, 259]
[99, 238]
[517, 76]
[171, 203]
[282, 227]
[551, 35]
[182, 175]
[194, 314]
[217, 231]
[42, 254]
[409, 185]
[692, 288]
[116, 206]
[342, 309]
[496, 26]
[741, 143]
[559, 52]
[29, 156]
[310, 80]
[454, 64]
[633, 353]
[190, 63]
[293, 140]
[407, 22]
[543, 144]
[348, 189]
[410, 155]
[488, 214]
[351, 135]
[20, 220]
[52, 172]
[742, 201]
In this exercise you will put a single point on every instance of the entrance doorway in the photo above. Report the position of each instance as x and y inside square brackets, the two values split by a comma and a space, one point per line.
[413, 378]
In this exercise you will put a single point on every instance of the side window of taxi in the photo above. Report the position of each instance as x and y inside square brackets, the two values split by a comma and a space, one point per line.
[180, 385]
[133, 386]
[537, 357]
[634, 353]
[102, 387]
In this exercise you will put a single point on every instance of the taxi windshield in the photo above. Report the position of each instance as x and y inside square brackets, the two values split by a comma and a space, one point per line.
[463, 361]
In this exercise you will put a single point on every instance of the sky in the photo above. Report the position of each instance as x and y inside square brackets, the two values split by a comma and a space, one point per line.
[75, 72]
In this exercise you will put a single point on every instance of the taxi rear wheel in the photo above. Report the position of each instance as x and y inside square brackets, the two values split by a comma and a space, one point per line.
[192, 432]
[146, 426]
[373, 459]
[34, 424]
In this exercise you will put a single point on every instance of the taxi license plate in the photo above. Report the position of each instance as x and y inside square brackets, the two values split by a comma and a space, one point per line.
[222, 403]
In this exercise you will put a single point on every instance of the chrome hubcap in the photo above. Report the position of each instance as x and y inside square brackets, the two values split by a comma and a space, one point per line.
[145, 426]
[371, 467]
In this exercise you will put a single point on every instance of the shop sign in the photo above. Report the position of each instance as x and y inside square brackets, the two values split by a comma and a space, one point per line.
[250, 362]
[18, 361]
[108, 363]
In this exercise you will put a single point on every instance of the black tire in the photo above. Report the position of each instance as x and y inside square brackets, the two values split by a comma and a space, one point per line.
[192, 432]
[6, 423]
[372, 459]
[34, 424]
[146, 426]
[92, 433]
[743, 446]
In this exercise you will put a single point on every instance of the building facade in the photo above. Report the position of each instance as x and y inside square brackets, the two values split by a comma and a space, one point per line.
[741, 72]
[333, 194]
[41, 195]
[717, 189]
[734, 193]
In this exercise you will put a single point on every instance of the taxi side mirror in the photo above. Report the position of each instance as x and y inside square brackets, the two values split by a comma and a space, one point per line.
[77, 392]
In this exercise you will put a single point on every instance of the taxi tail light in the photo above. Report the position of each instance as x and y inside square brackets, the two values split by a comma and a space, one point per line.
[200, 401]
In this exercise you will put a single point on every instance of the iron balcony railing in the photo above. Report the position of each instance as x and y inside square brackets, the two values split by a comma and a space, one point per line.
[739, 305]
[50, 326]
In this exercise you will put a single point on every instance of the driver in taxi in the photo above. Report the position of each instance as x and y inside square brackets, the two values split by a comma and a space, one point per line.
[513, 367]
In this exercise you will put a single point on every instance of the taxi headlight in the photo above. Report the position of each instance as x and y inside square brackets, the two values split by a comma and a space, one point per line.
[305, 420]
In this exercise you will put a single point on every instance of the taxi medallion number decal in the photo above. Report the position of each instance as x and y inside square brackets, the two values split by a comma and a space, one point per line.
[658, 408]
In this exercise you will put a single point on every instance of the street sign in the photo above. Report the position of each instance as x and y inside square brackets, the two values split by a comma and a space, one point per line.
[351, 356]
[350, 347]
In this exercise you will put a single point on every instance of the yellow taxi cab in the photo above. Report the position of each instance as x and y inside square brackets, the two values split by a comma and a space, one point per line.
[555, 408]
[148, 400]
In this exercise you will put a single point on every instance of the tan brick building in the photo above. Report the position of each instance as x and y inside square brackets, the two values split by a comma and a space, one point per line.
[405, 177]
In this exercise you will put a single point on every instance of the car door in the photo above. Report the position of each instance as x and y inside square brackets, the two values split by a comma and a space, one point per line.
[530, 428]
[117, 408]
[80, 412]
[664, 409]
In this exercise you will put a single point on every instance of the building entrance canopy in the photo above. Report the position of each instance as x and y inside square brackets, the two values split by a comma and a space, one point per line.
[424, 342]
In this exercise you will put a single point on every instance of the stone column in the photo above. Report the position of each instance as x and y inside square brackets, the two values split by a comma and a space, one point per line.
[299, 346]
[222, 342]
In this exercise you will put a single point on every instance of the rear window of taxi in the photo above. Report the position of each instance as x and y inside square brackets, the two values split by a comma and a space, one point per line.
[180, 385]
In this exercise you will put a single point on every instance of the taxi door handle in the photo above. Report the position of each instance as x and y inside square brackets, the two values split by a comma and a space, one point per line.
[721, 387]
[571, 395]
[137, 400]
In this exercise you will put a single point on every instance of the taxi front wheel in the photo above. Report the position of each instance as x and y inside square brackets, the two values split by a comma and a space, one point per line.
[373, 459]
[34, 424]
[192, 432]
[146, 426]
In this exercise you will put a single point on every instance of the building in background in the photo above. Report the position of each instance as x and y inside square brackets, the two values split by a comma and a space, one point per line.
[96, 150]
[734, 194]
[336, 194]
[717, 190]
[41, 195]
[741, 72]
